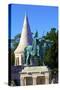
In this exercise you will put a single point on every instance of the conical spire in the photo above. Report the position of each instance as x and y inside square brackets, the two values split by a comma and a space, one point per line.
[26, 36]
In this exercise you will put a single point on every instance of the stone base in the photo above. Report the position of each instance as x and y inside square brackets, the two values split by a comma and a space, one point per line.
[34, 75]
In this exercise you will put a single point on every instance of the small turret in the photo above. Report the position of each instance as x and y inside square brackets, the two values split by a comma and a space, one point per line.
[25, 40]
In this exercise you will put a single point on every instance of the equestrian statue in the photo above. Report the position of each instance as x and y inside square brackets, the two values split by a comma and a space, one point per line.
[34, 54]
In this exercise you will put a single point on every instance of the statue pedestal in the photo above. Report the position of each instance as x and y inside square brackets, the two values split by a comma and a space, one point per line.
[34, 75]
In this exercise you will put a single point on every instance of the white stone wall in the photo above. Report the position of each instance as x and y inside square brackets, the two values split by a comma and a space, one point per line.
[37, 78]
[19, 55]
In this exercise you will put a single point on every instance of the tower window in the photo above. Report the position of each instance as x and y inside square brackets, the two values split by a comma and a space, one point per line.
[17, 61]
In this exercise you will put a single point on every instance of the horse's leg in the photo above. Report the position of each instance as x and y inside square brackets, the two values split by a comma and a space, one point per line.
[27, 59]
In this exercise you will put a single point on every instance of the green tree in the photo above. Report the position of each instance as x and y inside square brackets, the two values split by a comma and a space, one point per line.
[15, 41]
[52, 35]
[51, 55]
[12, 46]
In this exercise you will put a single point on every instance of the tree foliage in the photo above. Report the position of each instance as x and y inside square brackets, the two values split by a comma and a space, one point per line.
[15, 41]
[51, 55]
[13, 45]
[52, 35]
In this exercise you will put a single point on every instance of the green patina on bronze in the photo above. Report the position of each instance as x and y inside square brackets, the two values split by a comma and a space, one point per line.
[34, 54]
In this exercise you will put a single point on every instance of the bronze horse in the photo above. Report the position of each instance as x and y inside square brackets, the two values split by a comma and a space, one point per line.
[35, 52]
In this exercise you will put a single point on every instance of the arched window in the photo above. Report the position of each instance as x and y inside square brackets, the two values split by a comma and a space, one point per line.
[40, 80]
[29, 81]
[17, 61]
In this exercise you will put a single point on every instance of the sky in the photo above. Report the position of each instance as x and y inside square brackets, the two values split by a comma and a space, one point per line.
[41, 18]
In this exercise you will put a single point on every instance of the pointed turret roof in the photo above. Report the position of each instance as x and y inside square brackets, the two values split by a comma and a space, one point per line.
[26, 36]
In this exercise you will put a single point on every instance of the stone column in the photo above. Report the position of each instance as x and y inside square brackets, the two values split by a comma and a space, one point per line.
[47, 78]
[22, 81]
[25, 81]
[34, 80]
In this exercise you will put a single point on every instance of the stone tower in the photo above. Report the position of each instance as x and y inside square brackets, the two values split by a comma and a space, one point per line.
[25, 40]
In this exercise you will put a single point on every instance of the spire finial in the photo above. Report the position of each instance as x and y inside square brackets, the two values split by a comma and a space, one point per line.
[26, 14]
